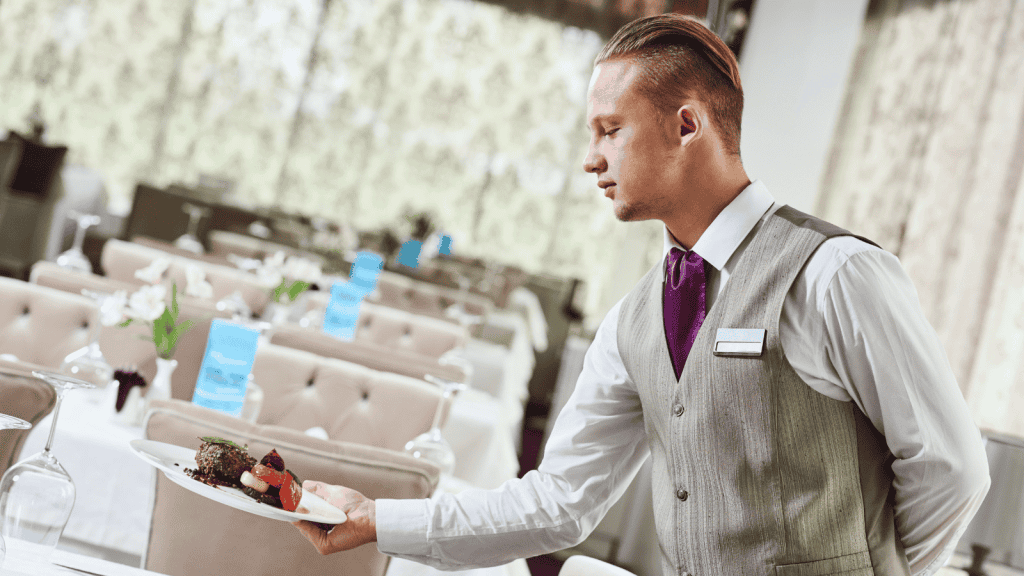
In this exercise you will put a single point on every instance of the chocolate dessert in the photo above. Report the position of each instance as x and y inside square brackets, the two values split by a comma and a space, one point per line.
[221, 462]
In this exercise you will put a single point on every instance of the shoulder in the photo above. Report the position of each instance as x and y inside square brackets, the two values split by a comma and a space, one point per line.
[847, 263]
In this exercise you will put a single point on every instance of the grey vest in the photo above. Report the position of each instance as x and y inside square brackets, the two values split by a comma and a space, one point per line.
[755, 473]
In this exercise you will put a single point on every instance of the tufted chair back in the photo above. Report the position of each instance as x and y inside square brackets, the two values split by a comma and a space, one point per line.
[369, 354]
[418, 297]
[121, 259]
[351, 402]
[191, 534]
[42, 325]
[400, 330]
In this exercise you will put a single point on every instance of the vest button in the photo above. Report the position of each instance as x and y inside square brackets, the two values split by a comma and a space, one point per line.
[682, 495]
[678, 409]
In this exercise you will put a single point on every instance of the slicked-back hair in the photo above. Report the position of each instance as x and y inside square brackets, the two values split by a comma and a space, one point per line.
[680, 58]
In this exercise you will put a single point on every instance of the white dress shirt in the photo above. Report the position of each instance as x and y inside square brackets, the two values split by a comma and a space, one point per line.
[851, 327]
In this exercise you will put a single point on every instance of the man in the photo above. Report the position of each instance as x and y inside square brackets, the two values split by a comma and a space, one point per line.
[799, 410]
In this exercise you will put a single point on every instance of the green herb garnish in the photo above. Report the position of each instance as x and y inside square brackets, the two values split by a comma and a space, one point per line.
[225, 441]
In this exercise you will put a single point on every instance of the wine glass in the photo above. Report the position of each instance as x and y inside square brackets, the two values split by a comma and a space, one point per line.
[430, 445]
[190, 239]
[74, 258]
[88, 362]
[37, 494]
[10, 423]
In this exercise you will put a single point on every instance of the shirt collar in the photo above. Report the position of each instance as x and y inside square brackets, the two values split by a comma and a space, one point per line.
[717, 244]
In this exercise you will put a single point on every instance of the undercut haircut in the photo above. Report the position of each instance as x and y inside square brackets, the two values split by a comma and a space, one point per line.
[679, 59]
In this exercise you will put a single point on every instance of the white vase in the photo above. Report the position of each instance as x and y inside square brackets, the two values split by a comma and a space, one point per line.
[160, 387]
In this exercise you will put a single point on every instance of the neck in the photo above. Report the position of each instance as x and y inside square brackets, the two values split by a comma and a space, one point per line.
[703, 199]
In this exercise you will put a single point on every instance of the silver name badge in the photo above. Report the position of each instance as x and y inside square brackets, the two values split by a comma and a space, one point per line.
[746, 342]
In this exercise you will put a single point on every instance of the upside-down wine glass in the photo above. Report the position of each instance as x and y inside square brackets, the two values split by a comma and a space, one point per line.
[10, 423]
[88, 362]
[74, 258]
[190, 239]
[430, 445]
[37, 494]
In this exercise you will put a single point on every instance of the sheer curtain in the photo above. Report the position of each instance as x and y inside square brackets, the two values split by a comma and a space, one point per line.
[927, 161]
[349, 109]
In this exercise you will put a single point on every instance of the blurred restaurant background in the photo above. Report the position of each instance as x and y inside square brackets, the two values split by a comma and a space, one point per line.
[447, 137]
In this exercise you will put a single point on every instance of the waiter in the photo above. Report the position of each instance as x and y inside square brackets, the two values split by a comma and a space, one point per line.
[798, 409]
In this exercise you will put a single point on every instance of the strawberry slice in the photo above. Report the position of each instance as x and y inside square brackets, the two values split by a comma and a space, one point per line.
[270, 476]
[291, 493]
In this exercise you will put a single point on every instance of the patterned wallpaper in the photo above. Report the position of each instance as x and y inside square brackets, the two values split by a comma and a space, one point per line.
[928, 162]
[349, 109]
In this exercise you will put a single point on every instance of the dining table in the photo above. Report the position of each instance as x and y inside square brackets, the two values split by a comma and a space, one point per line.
[30, 559]
[113, 507]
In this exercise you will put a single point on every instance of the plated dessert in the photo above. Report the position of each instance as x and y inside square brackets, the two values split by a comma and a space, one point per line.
[222, 462]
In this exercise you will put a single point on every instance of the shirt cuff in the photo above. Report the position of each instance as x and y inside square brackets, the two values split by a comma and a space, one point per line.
[402, 527]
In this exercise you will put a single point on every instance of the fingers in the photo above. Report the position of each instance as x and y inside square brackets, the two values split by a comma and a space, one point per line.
[316, 536]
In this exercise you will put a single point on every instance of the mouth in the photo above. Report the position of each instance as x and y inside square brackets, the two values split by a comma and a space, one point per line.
[608, 187]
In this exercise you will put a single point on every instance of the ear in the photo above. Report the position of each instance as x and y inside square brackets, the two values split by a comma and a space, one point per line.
[690, 122]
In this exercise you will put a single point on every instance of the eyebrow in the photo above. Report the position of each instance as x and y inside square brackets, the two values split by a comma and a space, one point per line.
[603, 119]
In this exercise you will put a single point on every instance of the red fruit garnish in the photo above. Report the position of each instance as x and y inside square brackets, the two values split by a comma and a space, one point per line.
[273, 460]
[291, 493]
[270, 476]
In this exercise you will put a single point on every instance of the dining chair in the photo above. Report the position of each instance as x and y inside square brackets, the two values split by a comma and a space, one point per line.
[41, 325]
[399, 329]
[25, 397]
[580, 565]
[366, 353]
[350, 402]
[191, 534]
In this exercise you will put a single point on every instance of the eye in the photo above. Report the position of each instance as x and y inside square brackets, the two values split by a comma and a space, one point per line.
[611, 131]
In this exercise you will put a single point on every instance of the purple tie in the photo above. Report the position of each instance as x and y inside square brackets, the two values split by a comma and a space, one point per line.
[684, 308]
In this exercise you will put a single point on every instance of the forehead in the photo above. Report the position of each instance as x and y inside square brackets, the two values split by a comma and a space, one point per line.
[610, 82]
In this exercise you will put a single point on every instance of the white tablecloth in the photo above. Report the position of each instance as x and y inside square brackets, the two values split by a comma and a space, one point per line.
[114, 487]
[24, 559]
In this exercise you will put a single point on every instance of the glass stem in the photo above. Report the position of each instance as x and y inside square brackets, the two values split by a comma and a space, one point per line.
[193, 222]
[79, 237]
[440, 408]
[53, 423]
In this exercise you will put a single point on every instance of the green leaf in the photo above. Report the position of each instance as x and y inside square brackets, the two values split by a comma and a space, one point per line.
[125, 323]
[174, 302]
[178, 331]
[225, 441]
[297, 288]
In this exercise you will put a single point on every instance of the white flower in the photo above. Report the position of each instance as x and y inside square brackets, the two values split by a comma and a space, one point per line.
[298, 268]
[153, 273]
[112, 308]
[268, 277]
[147, 303]
[196, 284]
[276, 261]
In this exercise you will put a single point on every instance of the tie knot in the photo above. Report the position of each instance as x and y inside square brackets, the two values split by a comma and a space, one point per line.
[687, 257]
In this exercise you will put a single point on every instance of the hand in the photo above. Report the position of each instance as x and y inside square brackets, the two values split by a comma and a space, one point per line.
[359, 529]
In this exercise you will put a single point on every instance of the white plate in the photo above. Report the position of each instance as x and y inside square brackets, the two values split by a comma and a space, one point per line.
[172, 461]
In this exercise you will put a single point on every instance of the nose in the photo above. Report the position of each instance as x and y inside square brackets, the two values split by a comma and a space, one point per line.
[594, 162]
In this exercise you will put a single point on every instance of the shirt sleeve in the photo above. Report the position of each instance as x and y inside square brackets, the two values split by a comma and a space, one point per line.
[596, 447]
[881, 353]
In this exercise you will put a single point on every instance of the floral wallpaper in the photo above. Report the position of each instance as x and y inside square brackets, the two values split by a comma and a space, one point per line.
[928, 162]
[347, 109]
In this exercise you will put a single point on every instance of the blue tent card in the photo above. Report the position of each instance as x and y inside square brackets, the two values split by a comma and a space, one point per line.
[365, 270]
[224, 374]
[342, 313]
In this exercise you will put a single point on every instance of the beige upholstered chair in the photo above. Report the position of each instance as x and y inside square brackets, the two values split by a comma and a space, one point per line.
[223, 243]
[350, 402]
[192, 535]
[418, 297]
[27, 398]
[399, 329]
[580, 565]
[40, 325]
[120, 260]
[366, 353]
